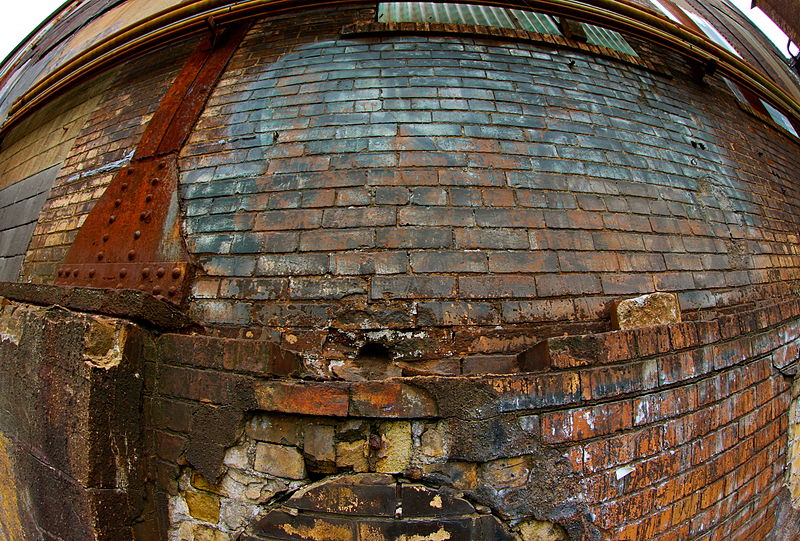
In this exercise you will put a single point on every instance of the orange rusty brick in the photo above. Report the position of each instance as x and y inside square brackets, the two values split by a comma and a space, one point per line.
[326, 399]
[391, 400]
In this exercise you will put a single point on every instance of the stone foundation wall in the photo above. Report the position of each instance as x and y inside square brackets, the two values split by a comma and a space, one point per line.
[667, 431]
[70, 430]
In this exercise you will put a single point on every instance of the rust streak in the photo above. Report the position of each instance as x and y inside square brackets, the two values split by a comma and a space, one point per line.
[127, 241]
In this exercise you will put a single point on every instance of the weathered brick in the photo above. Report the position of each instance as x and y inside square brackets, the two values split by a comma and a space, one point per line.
[556, 285]
[390, 400]
[448, 262]
[292, 264]
[413, 287]
[337, 239]
[496, 239]
[496, 286]
[457, 313]
[325, 399]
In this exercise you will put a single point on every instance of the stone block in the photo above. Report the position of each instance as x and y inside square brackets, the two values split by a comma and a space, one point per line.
[539, 530]
[353, 455]
[203, 505]
[646, 311]
[394, 455]
[280, 461]
[318, 443]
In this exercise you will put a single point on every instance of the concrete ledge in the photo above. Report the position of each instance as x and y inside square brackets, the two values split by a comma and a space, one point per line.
[128, 304]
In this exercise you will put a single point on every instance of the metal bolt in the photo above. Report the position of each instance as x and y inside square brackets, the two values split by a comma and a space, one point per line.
[145, 216]
[176, 273]
[117, 202]
[161, 165]
[91, 273]
[155, 181]
[148, 197]
[131, 255]
[75, 273]
[124, 186]
[130, 170]
[100, 256]
[61, 273]
[171, 291]
[146, 272]
[123, 272]
[112, 219]
[157, 290]
[105, 237]
[160, 272]
[137, 234]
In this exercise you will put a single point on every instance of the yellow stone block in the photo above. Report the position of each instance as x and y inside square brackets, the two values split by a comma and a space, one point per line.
[202, 505]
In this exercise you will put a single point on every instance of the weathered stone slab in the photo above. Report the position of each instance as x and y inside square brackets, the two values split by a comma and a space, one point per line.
[646, 311]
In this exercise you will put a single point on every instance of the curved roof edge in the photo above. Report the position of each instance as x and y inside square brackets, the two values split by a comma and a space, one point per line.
[120, 28]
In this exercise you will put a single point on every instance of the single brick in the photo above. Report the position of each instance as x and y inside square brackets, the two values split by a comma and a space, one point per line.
[497, 239]
[413, 287]
[330, 240]
[507, 286]
[457, 313]
[556, 285]
[331, 288]
[447, 262]
[292, 264]
[522, 262]
[359, 217]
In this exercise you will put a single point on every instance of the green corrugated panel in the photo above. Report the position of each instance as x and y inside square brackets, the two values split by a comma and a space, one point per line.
[429, 12]
[603, 37]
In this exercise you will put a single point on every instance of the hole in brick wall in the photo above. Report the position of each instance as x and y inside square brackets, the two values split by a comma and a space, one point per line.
[375, 351]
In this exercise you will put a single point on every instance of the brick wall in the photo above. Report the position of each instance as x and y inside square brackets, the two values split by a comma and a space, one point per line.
[103, 143]
[666, 432]
[451, 185]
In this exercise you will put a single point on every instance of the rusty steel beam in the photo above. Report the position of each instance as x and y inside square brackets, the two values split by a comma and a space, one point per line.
[131, 238]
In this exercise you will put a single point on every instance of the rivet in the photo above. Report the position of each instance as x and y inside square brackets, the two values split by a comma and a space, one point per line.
[155, 181]
[91, 273]
[157, 290]
[137, 234]
[112, 219]
[123, 272]
[160, 272]
[176, 273]
[117, 202]
[100, 256]
[146, 272]
[124, 186]
[148, 197]
[131, 255]
[75, 273]
[145, 216]
[118, 286]
[61, 273]
[171, 291]
[105, 238]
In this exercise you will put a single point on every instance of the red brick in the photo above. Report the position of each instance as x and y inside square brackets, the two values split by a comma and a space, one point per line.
[390, 400]
[327, 399]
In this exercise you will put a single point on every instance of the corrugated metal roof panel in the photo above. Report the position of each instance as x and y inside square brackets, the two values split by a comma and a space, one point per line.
[429, 12]
[531, 21]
